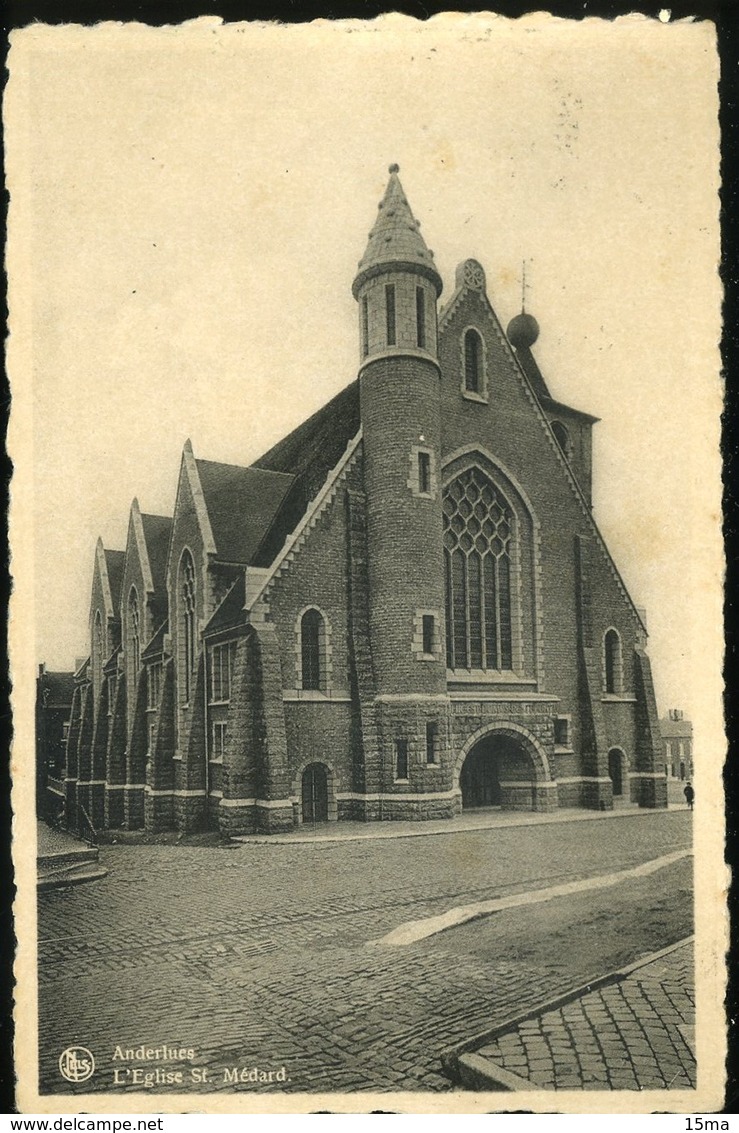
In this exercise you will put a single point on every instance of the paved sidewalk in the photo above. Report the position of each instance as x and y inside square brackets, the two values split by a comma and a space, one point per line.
[633, 1032]
[468, 820]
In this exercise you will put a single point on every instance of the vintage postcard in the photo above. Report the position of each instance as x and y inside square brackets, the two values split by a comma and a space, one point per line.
[366, 635]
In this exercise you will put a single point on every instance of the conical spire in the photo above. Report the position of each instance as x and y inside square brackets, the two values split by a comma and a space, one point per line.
[395, 241]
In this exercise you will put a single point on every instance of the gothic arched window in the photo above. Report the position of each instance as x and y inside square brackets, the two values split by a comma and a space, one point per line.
[134, 634]
[187, 621]
[478, 528]
[612, 661]
[97, 652]
[472, 361]
[311, 632]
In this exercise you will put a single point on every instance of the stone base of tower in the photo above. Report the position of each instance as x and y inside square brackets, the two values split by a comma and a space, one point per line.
[190, 813]
[596, 794]
[648, 791]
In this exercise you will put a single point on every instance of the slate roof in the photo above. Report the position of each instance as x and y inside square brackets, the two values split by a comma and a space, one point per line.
[157, 530]
[231, 610]
[114, 562]
[111, 665]
[310, 452]
[395, 238]
[57, 689]
[242, 504]
[156, 646]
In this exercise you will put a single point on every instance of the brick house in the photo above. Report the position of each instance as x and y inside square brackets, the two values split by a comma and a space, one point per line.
[677, 744]
[403, 609]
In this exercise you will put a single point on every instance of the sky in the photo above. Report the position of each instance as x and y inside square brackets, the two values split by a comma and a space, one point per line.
[188, 209]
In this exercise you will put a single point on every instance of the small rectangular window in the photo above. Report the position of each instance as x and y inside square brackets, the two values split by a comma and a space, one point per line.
[427, 629]
[365, 327]
[401, 759]
[390, 313]
[432, 730]
[424, 473]
[421, 317]
[562, 731]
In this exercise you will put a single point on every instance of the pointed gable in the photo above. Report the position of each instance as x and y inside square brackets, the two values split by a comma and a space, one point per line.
[114, 562]
[157, 530]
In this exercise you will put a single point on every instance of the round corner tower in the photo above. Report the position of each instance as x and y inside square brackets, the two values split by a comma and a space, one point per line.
[397, 287]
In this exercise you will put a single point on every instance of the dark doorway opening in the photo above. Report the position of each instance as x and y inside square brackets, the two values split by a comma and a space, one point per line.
[315, 793]
[479, 780]
[615, 771]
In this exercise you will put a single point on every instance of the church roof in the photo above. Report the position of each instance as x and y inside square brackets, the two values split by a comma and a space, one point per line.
[231, 610]
[156, 645]
[242, 504]
[111, 665]
[395, 238]
[114, 561]
[315, 447]
[157, 530]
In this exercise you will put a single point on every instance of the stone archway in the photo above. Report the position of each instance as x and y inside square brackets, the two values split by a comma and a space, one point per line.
[314, 793]
[504, 765]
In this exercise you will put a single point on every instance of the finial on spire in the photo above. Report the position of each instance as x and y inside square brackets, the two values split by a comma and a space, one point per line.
[523, 287]
[394, 168]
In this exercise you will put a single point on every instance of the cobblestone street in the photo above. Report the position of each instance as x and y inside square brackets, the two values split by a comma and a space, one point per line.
[263, 955]
[635, 1033]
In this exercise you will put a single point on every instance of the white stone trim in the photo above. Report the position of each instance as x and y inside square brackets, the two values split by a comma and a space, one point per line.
[412, 697]
[481, 396]
[585, 779]
[471, 451]
[509, 728]
[158, 794]
[325, 650]
[548, 783]
[294, 542]
[384, 796]
[618, 668]
[413, 479]
[104, 580]
[651, 775]
[88, 782]
[184, 794]
[417, 638]
[138, 531]
[577, 491]
[196, 490]
[313, 696]
[399, 352]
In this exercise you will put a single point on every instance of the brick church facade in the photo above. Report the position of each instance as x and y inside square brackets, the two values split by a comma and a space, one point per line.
[402, 610]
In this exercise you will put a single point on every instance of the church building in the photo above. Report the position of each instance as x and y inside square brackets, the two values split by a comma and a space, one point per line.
[403, 610]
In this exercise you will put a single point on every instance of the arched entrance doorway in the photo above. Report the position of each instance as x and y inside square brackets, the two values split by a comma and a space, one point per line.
[479, 779]
[505, 768]
[615, 771]
[315, 793]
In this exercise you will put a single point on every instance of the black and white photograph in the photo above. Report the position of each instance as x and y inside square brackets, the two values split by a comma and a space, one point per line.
[366, 631]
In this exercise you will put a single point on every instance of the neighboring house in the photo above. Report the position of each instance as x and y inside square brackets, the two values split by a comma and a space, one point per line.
[403, 609]
[677, 741]
[54, 692]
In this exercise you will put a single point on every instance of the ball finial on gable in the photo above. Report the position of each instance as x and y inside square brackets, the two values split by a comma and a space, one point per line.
[394, 168]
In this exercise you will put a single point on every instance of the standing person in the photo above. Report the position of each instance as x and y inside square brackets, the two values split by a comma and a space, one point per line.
[689, 795]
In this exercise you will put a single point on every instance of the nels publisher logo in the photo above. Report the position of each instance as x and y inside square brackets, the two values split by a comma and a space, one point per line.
[76, 1064]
